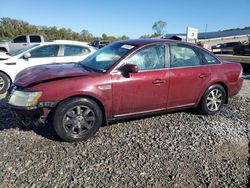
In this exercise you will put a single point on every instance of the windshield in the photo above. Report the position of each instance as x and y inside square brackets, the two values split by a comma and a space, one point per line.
[106, 57]
[22, 50]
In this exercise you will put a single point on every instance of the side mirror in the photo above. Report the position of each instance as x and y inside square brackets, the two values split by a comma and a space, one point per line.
[27, 55]
[129, 68]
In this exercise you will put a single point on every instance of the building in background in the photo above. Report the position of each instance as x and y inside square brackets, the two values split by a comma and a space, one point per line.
[209, 39]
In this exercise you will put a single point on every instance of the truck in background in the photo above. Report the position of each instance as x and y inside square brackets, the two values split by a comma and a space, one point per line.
[20, 42]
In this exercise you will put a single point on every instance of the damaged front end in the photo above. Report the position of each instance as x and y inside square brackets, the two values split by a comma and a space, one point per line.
[28, 118]
[27, 109]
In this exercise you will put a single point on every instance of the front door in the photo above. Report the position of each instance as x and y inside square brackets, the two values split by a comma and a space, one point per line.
[146, 90]
[39, 56]
[18, 43]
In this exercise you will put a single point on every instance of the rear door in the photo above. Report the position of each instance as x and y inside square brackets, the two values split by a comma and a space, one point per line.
[74, 53]
[188, 77]
[35, 39]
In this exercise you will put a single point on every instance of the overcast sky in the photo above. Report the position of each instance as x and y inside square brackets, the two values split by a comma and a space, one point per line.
[130, 17]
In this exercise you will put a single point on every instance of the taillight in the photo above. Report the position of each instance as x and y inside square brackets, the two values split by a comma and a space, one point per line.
[241, 73]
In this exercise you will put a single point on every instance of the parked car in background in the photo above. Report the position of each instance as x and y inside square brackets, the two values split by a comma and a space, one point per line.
[225, 48]
[20, 42]
[4, 55]
[60, 51]
[242, 49]
[99, 43]
[124, 79]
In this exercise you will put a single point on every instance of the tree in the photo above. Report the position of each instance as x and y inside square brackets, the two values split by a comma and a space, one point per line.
[104, 36]
[147, 36]
[11, 27]
[159, 27]
[86, 33]
[123, 37]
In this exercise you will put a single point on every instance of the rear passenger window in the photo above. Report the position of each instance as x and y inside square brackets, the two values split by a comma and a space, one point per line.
[208, 58]
[34, 39]
[70, 50]
[183, 56]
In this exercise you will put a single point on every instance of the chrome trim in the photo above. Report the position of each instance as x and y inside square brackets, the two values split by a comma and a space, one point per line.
[2, 84]
[194, 66]
[168, 60]
[138, 113]
[115, 73]
[105, 87]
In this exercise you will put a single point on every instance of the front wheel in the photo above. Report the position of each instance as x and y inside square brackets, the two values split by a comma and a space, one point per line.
[213, 100]
[77, 119]
[4, 83]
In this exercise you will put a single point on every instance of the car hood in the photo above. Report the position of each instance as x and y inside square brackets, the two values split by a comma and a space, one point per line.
[42, 73]
[4, 55]
[4, 41]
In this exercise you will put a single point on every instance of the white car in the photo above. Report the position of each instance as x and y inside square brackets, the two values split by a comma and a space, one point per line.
[59, 51]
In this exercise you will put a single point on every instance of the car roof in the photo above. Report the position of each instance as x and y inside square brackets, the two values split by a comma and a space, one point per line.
[142, 42]
[72, 42]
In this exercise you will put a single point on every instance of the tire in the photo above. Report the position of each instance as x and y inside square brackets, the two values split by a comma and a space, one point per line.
[3, 50]
[4, 83]
[213, 100]
[77, 119]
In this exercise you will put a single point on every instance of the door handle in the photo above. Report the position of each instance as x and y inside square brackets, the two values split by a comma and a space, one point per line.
[203, 75]
[158, 81]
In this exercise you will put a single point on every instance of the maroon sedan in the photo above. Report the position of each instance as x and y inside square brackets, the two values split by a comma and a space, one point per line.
[123, 79]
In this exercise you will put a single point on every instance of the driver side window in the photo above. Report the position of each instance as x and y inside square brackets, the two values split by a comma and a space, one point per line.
[149, 58]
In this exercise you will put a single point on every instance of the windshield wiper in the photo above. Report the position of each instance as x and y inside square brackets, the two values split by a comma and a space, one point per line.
[85, 67]
[93, 69]
[101, 70]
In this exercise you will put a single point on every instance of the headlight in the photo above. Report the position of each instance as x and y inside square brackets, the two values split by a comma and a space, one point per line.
[24, 99]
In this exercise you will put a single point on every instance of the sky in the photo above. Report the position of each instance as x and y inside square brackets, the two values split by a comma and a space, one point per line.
[130, 17]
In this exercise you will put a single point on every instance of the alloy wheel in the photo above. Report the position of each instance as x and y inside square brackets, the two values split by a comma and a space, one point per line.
[214, 100]
[78, 120]
[1, 83]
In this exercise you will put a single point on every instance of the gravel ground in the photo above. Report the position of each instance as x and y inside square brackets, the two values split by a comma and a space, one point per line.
[181, 149]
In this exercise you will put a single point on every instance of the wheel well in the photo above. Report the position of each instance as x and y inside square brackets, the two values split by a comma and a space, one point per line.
[7, 76]
[219, 83]
[94, 99]
[226, 90]
[224, 86]
[4, 49]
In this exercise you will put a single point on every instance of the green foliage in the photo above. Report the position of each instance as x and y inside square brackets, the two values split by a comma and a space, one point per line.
[112, 38]
[234, 29]
[155, 35]
[10, 28]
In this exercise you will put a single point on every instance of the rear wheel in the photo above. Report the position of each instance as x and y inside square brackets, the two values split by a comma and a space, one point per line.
[213, 100]
[4, 83]
[77, 119]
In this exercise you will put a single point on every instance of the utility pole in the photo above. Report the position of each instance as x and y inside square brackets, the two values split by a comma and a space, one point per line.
[206, 28]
